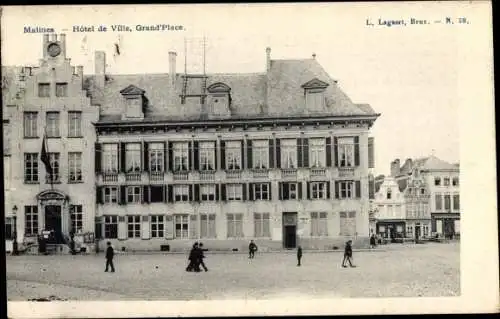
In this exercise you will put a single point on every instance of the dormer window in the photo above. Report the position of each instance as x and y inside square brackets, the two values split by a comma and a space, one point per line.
[389, 194]
[134, 101]
[219, 99]
[314, 93]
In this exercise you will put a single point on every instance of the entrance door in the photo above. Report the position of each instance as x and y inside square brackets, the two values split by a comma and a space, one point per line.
[417, 232]
[290, 230]
[53, 221]
[449, 228]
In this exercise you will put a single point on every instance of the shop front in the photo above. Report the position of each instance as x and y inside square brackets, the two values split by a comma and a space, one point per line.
[391, 229]
[446, 225]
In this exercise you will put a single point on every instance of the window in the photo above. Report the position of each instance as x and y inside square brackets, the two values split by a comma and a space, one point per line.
[456, 202]
[389, 193]
[181, 193]
[318, 190]
[261, 191]
[74, 124]
[30, 220]
[234, 225]
[207, 156]
[260, 154]
[262, 225]
[437, 181]
[134, 226]
[288, 153]
[409, 231]
[314, 100]
[110, 158]
[181, 156]
[30, 124]
[61, 89]
[455, 181]
[54, 165]
[43, 89]
[233, 155]
[422, 191]
[447, 202]
[156, 157]
[346, 189]
[207, 226]
[31, 167]
[110, 227]
[52, 124]
[439, 202]
[181, 226]
[348, 224]
[133, 157]
[110, 194]
[207, 192]
[76, 215]
[446, 181]
[346, 151]
[289, 191]
[75, 167]
[157, 226]
[319, 224]
[9, 228]
[317, 149]
[426, 230]
[234, 192]
[156, 194]
[133, 194]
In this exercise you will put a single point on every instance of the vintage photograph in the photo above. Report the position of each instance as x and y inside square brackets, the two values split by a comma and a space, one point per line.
[160, 156]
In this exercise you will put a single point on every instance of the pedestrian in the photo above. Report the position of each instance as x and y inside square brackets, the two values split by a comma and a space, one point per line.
[372, 241]
[252, 248]
[348, 254]
[192, 258]
[110, 252]
[201, 257]
[299, 255]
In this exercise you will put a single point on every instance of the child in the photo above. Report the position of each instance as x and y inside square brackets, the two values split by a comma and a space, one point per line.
[348, 254]
[252, 248]
[299, 255]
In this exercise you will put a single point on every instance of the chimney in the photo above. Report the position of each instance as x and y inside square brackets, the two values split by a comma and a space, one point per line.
[45, 43]
[100, 69]
[172, 63]
[395, 167]
[62, 41]
[408, 164]
[268, 59]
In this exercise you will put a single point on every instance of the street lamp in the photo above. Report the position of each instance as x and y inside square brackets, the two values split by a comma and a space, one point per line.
[14, 243]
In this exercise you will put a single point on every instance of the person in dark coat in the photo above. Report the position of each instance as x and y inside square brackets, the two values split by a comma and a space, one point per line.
[193, 258]
[347, 254]
[201, 256]
[299, 255]
[372, 241]
[110, 253]
[252, 248]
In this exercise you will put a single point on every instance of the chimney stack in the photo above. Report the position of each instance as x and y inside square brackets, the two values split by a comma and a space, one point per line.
[172, 63]
[100, 69]
[395, 167]
[62, 41]
[268, 59]
[409, 164]
[314, 56]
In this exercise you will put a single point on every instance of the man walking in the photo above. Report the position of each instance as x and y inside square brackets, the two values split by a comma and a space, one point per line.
[192, 258]
[348, 254]
[252, 248]
[201, 257]
[299, 255]
[110, 252]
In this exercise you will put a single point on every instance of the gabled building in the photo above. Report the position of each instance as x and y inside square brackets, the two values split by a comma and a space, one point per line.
[390, 209]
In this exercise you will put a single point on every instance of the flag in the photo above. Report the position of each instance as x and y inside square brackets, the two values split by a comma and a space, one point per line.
[45, 156]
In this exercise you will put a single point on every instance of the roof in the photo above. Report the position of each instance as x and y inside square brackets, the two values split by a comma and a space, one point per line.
[433, 163]
[402, 184]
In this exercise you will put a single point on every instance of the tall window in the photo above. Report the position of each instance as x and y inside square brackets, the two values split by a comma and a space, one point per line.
[133, 194]
[133, 157]
[110, 158]
[156, 157]
[74, 124]
[207, 156]
[54, 165]
[181, 226]
[181, 156]
[157, 226]
[319, 224]
[455, 181]
[456, 202]
[347, 223]
[262, 225]
[181, 193]
[110, 194]
[207, 226]
[261, 191]
[134, 226]
[446, 181]
[61, 89]
[75, 167]
[110, 227]
[43, 89]
[30, 124]
[439, 202]
[233, 155]
[315, 100]
[30, 220]
[346, 151]
[234, 192]
[346, 189]
[288, 153]
[437, 181]
[207, 192]
[447, 202]
[76, 215]
[317, 149]
[52, 123]
[289, 191]
[389, 193]
[31, 167]
[260, 154]
[234, 225]
[318, 190]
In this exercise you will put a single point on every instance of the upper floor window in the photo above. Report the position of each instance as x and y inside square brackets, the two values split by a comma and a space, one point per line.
[181, 156]
[346, 189]
[207, 156]
[133, 194]
[156, 157]
[30, 124]
[318, 190]
[346, 151]
[260, 154]
[54, 176]
[74, 124]
[75, 167]
[43, 89]
[439, 201]
[53, 124]
[289, 191]
[234, 192]
[288, 153]
[317, 149]
[111, 194]
[61, 89]
[181, 193]
[314, 91]
[110, 158]
[31, 167]
[261, 191]
[446, 181]
[437, 181]
[133, 157]
[455, 181]
[207, 192]
[389, 193]
[233, 155]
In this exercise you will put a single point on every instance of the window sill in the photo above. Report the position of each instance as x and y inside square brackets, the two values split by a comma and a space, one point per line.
[53, 136]
[31, 137]
[75, 182]
[79, 136]
[53, 182]
[31, 182]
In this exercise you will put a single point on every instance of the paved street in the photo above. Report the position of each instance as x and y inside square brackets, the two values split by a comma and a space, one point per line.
[428, 270]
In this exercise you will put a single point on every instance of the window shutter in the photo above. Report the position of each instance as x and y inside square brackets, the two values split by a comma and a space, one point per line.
[299, 152]
[216, 161]
[145, 194]
[244, 191]
[169, 227]
[328, 143]
[328, 190]
[278, 153]
[123, 195]
[193, 227]
[170, 193]
[123, 162]
[299, 187]
[337, 189]
[223, 192]
[280, 190]
[194, 155]
[243, 160]
[170, 156]
[308, 190]
[164, 195]
[165, 156]
[217, 193]
[222, 155]
[271, 154]
[197, 192]
[145, 164]
[336, 151]
[251, 191]
[98, 195]
[270, 191]
[358, 189]
[98, 157]
[356, 150]
[305, 152]
[191, 188]
[371, 152]
[249, 154]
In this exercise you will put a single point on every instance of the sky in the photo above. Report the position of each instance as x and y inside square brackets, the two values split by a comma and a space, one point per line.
[409, 74]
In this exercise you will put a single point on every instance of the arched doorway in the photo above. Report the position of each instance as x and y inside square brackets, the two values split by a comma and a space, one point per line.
[54, 213]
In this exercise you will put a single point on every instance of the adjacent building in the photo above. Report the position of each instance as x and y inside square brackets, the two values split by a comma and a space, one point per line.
[390, 209]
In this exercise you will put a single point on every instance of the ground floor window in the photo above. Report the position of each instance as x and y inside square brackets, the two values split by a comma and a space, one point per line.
[409, 231]
[134, 226]
[157, 226]
[76, 215]
[261, 225]
[319, 224]
[207, 226]
[347, 223]
[110, 227]
[9, 228]
[234, 225]
[181, 226]
[426, 230]
[30, 220]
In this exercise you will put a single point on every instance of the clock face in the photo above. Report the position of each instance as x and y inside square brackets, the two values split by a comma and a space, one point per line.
[54, 49]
